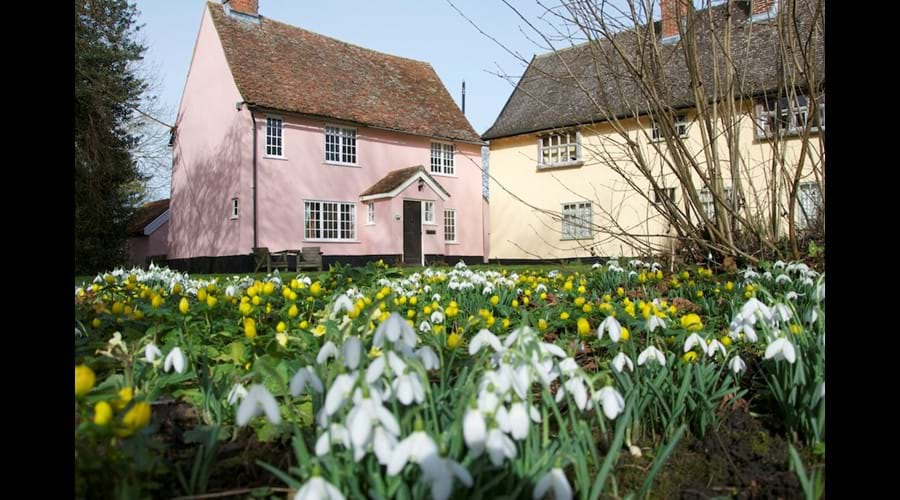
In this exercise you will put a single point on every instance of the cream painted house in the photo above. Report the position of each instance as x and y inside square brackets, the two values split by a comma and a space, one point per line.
[564, 183]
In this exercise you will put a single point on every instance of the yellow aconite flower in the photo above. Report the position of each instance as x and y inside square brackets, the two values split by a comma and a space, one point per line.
[316, 289]
[269, 288]
[620, 291]
[84, 380]
[505, 323]
[252, 291]
[584, 328]
[729, 286]
[201, 294]
[177, 289]
[156, 301]
[452, 310]
[542, 324]
[374, 352]
[691, 322]
[587, 308]
[125, 395]
[413, 301]
[249, 328]
[564, 316]
[183, 305]
[211, 301]
[690, 357]
[699, 294]
[102, 413]
[256, 300]
[624, 334]
[245, 308]
[796, 329]
[410, 313]
[725, 340]
[319, 331]
[568, 286]
[304, 324]
[630, 310]
[117, 308]
[96, 323]
[293, 311]
[136, 419]
[543, 296]
[280, 327]
[138, 314]
[579, 301]
[453, 340]
[282, 339]
[295, 284]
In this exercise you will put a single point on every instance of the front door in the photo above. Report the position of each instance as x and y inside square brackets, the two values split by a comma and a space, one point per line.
[412, 232]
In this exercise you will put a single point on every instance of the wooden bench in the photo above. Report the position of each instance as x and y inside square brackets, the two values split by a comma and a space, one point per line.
[271, 260]
[309, 258]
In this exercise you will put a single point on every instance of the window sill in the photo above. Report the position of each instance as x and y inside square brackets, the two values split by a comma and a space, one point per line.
[793, 134]
[442, 175]
[577, 239]
[429, 223]
[330, 241]
[565, 164]
[338, 164]
[268, 157]
[369, 223]
[233, 217]
[451, 243]
[663, 139]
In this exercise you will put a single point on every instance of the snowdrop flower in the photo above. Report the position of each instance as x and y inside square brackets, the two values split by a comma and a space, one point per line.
[305, 375]
[655, 321]
[713, 346]
[518, 421]
[820, 293]
[329, 350]
[737, 365]
[415, 448]
[783, 278]
[409, 388]
[612, 401]
[338, 393]
[568, 366]
[257, 401]
[792, 295]
[425, 327]
[651, 353]
[175, 359]
[778, 264]
[351, 351]
[807, 281]
[237, 392]
[151, 352]
[429, 359]
[318, 489]
[811, 316]
[439, 473]
[577, 388]
[484, 337]
[336, 433]
[621, 360]
[740, 325]
[230, 291]
[552, 349]
[394, 328]
[499, 447]
[781, 349]
[474, 431]
[692, 340]
[437, 317]
[343, 303]
[553, 274]
[612, 326]
[753, 308]
[781, 312]
[364, 416]
[596, 265]
[749, 273]
[555, 481]
[819, 395]
[383, 444]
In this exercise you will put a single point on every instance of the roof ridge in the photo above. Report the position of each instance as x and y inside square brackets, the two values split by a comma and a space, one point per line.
[316, 33]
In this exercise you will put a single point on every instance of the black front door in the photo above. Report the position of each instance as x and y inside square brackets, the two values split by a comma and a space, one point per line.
[412, 232]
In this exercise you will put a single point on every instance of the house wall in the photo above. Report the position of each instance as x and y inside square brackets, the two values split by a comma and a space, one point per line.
[519, 192]
[211, 158]
[284, 185]
[141, 247]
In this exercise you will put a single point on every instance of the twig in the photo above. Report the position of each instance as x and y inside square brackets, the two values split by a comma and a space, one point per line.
[231, 493]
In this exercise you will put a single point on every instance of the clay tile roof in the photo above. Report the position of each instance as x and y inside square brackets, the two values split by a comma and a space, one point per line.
[548, 97]
[282, 67]
[396, 178]
[145, 215]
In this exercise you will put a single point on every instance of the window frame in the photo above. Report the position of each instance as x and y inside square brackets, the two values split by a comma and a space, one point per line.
[443, 168]
[551, 148]
[455, 225]
[370, 213]
[338, 221]
[235, 208]
[342, 138]
[709, 202]
[271, 138]
[681, 126]
[425, 220]
[669, 191]
[571, 220]
[802, 222]
[780, 121]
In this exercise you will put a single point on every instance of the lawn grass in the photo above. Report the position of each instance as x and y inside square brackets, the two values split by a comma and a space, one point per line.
[82, 280]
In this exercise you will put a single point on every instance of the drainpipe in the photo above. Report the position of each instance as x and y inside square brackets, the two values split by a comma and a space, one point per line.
[255, 239]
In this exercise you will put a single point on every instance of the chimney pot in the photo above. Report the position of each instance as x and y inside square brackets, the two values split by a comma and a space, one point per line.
[249, 7]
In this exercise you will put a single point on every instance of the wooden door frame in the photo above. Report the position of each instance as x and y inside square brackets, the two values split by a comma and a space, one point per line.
[403, 230]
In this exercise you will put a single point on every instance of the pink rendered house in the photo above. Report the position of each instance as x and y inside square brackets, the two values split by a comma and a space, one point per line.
[288, 139]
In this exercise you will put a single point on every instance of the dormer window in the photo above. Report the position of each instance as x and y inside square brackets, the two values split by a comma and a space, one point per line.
[786, 116]
[561, 149]
[681, 126]
[340, 145]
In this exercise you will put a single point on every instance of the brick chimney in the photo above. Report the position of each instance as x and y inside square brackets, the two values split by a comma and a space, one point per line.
[673, 11]
[761, 7]
[248, 7]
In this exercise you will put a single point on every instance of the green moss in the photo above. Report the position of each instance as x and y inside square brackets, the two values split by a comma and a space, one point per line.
[760, 443]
